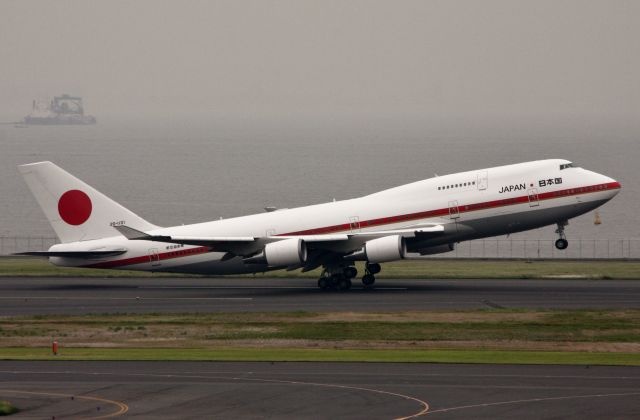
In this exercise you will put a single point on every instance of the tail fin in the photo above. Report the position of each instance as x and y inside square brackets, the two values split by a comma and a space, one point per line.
[76, 211]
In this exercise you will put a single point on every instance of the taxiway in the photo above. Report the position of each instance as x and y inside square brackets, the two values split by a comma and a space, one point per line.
[318, 390]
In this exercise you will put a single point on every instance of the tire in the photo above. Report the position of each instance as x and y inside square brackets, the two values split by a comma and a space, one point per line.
[350, 272]
[374, 268]
[334, 281]
[344, 284]
[368, 279]
[323, 283]
[562, 243]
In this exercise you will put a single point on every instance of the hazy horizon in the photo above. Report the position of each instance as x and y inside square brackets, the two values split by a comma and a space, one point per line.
[566, 62]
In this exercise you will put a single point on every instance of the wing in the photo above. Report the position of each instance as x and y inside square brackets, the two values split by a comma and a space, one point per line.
[221, 243]
[337, 245]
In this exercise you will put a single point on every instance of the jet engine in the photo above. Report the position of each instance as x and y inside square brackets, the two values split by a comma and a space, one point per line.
[281, 254]
[387, 248]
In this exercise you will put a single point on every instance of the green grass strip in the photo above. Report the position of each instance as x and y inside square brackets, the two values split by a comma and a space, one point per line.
[490, 325]
[326, 355]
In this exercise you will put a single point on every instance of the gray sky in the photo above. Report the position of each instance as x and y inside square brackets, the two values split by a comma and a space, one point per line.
[451, 59]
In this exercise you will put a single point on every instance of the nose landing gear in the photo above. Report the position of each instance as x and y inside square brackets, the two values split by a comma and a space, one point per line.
[562, 242]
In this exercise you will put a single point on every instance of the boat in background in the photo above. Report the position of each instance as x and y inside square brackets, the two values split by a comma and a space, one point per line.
[62, 110]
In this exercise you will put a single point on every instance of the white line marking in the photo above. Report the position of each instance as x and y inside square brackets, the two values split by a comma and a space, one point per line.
[446, 375]
[117, 298]
[258, 287]
[424, 405]
[569, 397]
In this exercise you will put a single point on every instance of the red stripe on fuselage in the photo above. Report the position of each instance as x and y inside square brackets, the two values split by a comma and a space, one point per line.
[151, 258]
[461, 208]
[376, 222]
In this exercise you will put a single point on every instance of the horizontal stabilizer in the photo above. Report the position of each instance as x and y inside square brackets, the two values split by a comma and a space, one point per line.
[75, 254]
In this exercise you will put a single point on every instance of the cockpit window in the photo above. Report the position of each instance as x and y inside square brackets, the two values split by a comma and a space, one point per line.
[566, 165]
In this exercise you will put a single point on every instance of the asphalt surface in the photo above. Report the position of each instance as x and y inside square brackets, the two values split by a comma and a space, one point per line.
[24, 296]
[318, 390]
[312, 390]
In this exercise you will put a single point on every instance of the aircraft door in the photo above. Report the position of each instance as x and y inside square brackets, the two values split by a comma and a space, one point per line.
[454, 211]
[533, 197]
[154, 257]
[354, 223]
[483, 180]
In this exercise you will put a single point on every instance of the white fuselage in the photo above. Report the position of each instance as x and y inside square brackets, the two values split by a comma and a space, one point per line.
[469, 205]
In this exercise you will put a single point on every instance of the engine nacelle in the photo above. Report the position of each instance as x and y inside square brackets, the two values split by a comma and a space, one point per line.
[281, 254]
[387, 248]
[438, 249]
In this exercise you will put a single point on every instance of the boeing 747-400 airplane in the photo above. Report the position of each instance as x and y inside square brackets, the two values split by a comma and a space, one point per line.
[424, 217]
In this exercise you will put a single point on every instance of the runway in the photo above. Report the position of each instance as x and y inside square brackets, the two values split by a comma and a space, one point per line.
[24, 296]
[318, 390]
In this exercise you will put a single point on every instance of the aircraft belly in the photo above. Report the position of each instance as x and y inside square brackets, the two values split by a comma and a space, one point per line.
[523, 219]
[530, 218]
[216, 267]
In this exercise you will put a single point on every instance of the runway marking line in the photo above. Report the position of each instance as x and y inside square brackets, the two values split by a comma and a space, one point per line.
[425, 410]
[259, 287]
[451, 375]
[424, 404]
[117, 298]
[122, 407]
[568, 397]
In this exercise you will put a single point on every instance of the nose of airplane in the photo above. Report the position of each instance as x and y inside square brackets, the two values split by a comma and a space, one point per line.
[609, 184]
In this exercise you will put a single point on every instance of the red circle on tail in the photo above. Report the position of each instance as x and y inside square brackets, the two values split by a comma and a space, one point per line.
[74, 207]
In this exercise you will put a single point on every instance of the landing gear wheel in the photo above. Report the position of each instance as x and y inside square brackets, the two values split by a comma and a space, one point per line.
[368, 280]
[373, 268]
[562, 243]
[350, 272]
[344, 284]
[323, 283]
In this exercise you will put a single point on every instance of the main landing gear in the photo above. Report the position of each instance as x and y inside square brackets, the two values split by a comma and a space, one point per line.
[339, 278]
[562, 242]
[370, 271]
